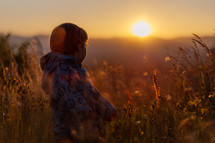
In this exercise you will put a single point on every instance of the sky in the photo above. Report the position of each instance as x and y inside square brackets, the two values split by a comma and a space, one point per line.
[109, 18]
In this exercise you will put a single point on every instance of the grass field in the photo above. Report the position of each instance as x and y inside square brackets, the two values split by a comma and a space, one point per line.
[172, 102]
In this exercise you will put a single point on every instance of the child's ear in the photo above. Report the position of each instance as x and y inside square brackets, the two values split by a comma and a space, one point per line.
[57, 39]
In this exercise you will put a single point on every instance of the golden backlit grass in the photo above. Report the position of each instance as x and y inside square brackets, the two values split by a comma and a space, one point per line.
[172, 103]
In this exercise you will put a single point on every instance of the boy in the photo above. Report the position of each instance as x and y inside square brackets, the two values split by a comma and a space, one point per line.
[76, 103]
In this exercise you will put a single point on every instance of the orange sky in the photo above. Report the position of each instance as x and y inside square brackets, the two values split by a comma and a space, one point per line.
[109, 18]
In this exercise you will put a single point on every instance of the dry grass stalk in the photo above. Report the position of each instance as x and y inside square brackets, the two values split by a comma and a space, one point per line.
[156, 87]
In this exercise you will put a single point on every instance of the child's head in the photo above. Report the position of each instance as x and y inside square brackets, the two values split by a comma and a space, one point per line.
[67, 39]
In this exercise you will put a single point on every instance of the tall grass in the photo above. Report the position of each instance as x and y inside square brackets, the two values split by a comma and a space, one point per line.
[173, 103]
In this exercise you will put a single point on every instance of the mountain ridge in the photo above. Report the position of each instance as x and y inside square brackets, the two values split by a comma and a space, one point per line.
[126, 48]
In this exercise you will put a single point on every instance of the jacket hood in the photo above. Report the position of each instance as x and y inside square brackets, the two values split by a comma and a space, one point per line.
[50, 62]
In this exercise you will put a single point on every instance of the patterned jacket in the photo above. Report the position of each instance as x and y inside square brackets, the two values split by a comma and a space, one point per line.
[73, 98]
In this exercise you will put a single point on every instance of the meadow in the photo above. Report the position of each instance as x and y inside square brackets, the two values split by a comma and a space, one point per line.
[173, 101]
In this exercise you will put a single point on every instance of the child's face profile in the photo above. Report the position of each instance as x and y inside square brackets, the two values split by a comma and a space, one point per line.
[81, 53]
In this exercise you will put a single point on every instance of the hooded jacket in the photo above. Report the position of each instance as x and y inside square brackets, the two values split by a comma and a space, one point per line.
[73, 98]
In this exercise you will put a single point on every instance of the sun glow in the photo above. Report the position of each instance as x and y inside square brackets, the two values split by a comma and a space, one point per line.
[141, 29]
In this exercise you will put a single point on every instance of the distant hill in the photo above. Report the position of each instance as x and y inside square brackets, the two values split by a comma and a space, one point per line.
[122, 49]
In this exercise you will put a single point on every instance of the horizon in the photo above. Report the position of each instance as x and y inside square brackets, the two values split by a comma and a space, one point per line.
[108, 38]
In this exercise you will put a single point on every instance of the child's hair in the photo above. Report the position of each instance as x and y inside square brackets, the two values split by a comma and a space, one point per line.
[66, 37]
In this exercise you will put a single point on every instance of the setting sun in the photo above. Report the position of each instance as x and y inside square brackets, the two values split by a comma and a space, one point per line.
[141, 29]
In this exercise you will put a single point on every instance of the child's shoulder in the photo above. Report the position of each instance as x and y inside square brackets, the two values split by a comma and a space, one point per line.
[68, 71]
[71, 68]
